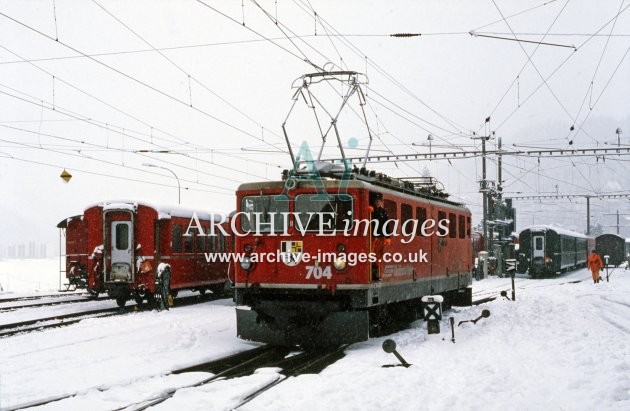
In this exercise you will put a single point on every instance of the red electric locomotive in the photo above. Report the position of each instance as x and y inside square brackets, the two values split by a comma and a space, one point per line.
[133, 240]
[74, 252]
[310, 274]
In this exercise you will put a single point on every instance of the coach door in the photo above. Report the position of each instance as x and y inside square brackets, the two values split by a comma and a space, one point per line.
[538, 246]
[121, 251]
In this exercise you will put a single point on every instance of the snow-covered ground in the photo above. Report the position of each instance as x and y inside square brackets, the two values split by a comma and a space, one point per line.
[21, 277]
[561, 345]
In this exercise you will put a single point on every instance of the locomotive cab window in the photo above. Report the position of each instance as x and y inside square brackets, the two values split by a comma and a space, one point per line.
[462, 226]
[262, 211]
[539, 243]
[334, 211]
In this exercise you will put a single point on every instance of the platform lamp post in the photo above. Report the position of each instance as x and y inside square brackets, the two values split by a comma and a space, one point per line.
[179, 187]
[618, 131]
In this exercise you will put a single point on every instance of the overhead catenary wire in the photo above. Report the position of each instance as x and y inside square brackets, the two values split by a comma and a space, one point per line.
[137, 81]
[122, 133]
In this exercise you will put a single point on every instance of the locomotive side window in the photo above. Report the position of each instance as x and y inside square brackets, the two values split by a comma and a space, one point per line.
[261, 211]
[468, 226]
[462, 226]
[452, 225]
[392, 209]
[176, 243]
[122, 236]
[539, 243]
[406, 213]
[335, 210]
[441, 216]
[421, 216]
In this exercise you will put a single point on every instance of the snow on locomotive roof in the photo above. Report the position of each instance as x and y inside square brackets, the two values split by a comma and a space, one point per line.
[341, 184]
[165, 212]
[558, 230]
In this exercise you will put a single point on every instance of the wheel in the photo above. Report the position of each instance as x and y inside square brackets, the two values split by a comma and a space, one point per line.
[93, 294]
[121, 301]
[139, 300]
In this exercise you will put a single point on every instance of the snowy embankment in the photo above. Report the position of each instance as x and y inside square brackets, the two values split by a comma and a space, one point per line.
[29, 277]
[561, 345]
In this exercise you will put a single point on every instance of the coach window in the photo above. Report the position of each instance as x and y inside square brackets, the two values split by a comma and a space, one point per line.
[201, 243]
[334, 210]
[220, 242]
[452, 225]
[260, 211]
[421, 216]
[188, 243]
[210, 241]
[462, 226]
[441, 217]
[539, 243]
[122, 236]
[176, 243]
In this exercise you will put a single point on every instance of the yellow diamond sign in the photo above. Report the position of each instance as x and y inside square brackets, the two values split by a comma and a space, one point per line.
[65, 176]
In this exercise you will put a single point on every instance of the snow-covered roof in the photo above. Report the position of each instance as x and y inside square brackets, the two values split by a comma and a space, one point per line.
[164, 211]
[558, 230]
[64, 223]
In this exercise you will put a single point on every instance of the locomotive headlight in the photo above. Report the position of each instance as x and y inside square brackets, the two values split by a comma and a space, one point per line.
[247, 248]
[548, 260]
[339, 264]
[246, 263]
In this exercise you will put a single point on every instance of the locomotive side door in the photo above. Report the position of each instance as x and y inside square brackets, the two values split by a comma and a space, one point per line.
[121, 251]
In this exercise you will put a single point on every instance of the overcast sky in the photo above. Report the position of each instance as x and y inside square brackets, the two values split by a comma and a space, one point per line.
[85, 85]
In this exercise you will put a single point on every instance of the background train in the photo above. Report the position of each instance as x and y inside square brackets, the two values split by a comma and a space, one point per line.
[296, 301]
[122, 244]
[614, 247]
[548, 250]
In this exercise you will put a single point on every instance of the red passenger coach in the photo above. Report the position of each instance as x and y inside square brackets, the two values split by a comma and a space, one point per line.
[322, 291]
[134, 241]
[74, 251]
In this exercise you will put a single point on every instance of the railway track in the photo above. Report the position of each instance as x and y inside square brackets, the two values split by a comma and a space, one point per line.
[50, 303]
[57, 321]
[246, 363]
[493, 293]
[233, 366]
[64, 320]
[38, 297]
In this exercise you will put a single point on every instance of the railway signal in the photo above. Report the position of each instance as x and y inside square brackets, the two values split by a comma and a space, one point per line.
[432, 310]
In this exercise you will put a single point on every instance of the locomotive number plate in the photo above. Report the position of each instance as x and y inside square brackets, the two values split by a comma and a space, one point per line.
[317, 272]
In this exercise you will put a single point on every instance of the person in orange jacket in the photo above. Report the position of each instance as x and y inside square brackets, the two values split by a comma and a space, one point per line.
[595, 264]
